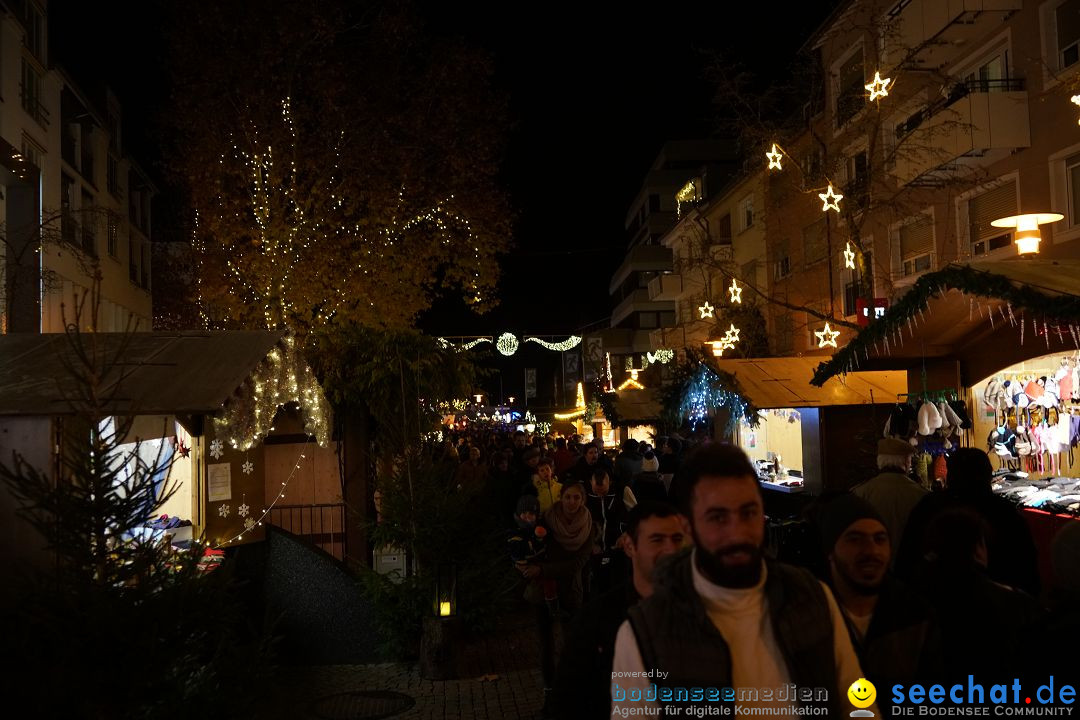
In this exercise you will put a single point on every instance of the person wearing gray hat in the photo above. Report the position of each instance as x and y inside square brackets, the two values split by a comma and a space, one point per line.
[892, 492]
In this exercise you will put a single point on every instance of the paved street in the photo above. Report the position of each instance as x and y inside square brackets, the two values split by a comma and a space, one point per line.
[500, 679]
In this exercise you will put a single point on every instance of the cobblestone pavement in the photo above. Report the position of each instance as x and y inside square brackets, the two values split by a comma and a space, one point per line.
[500, 678]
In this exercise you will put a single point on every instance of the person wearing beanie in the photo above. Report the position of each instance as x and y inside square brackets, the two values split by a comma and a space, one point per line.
[892, 492]
[627, 463]
[891, 628]
[647, 484]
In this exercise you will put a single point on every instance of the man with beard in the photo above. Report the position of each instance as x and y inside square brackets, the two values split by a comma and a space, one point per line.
[721, 616]
[891, 627]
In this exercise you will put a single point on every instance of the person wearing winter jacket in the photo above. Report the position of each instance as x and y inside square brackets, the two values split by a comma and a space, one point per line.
[892, 492]
[608, 504]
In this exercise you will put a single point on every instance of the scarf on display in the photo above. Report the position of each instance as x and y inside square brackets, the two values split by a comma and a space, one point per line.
[570, 531]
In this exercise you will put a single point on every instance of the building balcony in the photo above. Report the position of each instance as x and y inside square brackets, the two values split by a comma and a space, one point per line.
[665, 287]
[639, 301]
[641, 258]
[987, 122]
[928, 34]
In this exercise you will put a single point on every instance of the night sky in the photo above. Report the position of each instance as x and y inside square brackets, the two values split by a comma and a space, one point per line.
[593, 96]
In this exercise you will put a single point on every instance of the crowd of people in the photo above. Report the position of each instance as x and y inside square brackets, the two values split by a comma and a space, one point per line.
[652, 562]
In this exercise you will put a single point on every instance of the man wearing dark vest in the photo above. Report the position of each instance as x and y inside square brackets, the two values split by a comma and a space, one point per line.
[745, 630]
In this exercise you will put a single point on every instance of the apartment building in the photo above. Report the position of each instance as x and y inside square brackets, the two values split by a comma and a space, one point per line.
[977, 125]
[74, 204]
[636, 312]
[719, 237]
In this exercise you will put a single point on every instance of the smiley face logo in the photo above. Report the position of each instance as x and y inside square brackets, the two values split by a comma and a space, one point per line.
[862, 693]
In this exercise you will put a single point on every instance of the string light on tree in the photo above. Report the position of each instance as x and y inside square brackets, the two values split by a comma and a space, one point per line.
[849, 257]
[736, 292]
[826, 336]
[662, 356]
[879, 88]
[774, 156]
[830, 199]
[507, 344]
[706, 310]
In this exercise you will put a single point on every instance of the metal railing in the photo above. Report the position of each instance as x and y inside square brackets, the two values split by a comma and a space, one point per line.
[322, 525]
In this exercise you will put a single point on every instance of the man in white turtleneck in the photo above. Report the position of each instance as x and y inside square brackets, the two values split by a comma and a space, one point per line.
[768, 625]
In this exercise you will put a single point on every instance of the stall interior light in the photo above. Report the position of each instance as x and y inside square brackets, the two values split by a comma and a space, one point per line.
[1028, 236]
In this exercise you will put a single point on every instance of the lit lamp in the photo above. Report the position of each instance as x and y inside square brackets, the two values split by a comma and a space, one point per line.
[1027, 229]
[445, 589]
[441, 638]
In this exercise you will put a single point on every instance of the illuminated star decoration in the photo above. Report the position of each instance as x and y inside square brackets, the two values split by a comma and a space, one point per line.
[706, 310]
[731, 336]
[736, 292]
[1075, 100]
[879, 88]
[774, 156]
[830, 199]
[827, 336]
[849, 257]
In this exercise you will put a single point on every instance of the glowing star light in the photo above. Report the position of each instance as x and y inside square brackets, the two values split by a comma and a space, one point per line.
[731, 336]
[849, 257]
[774, 156]
[706, 310]
[879, 88]
[736, 292]
[830, 199]
[827, 336]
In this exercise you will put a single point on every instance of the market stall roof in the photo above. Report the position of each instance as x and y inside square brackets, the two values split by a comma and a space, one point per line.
[639, 407]
[156, 373]
[987, 315]
[784, 382]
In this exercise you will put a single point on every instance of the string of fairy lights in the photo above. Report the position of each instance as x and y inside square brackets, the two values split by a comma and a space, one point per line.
[250, 522]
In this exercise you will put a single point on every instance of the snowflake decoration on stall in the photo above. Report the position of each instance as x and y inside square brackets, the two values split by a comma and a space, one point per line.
[217, 449]
[247, 467]
[249, 523]
[223, 511]
[243, 510]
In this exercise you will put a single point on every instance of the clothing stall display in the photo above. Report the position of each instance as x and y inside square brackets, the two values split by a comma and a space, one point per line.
[1038, 418]
[932, 422]
[1058, 495]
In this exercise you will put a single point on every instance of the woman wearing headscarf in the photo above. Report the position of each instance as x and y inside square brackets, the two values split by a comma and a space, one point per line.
[570, 541]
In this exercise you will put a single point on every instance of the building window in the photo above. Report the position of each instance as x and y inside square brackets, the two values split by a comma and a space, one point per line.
[995, 203]
[68, 226]
[916, 240]
[32, 152]
[811, 163]
[89, 225]
[859, 285]
[1072, 179]
[746, 212]
[782, 267]
[667, 318]
[647, 320]
[112, 179]
[814, 246]
[858, 172]
[30, 93]
[991, 76]
[1067, 15]
[851, 90]
[783, 336]
[112, 232]
[35, 31]
[723, 230]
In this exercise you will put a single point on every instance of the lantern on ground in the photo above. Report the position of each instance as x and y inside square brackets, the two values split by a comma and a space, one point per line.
[1027, 229]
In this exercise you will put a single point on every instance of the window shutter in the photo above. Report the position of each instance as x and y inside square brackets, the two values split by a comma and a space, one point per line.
[917, 238]
[991, 205]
